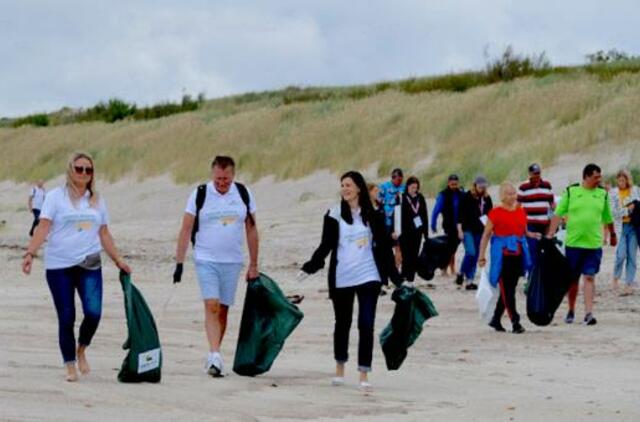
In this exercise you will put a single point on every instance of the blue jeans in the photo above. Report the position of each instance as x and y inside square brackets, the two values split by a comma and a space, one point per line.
[343, 299]
[471, 252]
[626, 253]
[63, 283]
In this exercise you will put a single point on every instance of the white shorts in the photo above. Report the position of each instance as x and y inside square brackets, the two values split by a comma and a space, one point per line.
[218, 280]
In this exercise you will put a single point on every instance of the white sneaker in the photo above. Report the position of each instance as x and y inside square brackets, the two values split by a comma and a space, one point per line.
[337, 381]
[215, 366]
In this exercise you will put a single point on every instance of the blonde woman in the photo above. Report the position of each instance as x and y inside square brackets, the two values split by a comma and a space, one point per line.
[74, 221]
[623, 197]
[507, 229]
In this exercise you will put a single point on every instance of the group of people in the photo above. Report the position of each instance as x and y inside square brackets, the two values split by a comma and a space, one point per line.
[372, 235]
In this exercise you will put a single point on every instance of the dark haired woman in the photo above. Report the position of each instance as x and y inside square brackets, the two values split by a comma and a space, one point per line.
[414, 227]
[361, 261]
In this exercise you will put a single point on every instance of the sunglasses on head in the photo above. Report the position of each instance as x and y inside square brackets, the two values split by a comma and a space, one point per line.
[81, 169]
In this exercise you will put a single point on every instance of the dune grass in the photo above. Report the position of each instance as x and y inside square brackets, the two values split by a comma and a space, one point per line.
[495, 129]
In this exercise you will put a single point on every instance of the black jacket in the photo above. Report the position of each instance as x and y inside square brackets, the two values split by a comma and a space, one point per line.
[470, 212]
[449, 222]
[408, 214]
[382, 250]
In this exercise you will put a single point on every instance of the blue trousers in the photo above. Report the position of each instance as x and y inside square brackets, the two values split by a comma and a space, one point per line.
[471, 253]
[63, 283]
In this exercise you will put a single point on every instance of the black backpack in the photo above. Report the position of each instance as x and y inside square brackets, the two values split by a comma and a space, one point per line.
[201, 195]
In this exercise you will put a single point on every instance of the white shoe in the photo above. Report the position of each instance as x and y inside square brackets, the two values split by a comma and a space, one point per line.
[337, 381]
[215, 366]
[365, 386]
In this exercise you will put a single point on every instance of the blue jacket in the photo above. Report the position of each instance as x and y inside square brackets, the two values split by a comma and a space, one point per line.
[510, 243]
[390, 195]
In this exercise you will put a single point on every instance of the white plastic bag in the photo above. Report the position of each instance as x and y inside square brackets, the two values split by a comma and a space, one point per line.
[486, 296]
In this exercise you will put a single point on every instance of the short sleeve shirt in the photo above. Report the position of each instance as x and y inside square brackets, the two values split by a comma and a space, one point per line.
[75, 228]
[587, 210]
[221, 225]
[508, 223]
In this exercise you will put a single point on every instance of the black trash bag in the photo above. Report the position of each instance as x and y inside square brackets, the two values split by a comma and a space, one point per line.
[436, 254]
[268, 318]
[412, 309]
[549, 282]
[143, 362]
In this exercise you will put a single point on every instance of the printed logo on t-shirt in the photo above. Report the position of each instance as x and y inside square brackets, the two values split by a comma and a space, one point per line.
[359, 239]
[223, 218]
[81, 221]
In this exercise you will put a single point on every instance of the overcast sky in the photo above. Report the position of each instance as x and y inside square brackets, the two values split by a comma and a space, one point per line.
[77, 52]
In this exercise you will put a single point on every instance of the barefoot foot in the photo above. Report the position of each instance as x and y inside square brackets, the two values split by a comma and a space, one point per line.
[83, 364]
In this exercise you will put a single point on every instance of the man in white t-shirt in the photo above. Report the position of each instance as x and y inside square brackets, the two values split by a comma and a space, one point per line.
[217, 217]
[36, 199]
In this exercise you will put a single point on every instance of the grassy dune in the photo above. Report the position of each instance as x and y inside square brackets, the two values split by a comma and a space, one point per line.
[495, 129]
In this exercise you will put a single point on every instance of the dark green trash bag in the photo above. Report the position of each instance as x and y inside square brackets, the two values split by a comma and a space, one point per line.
[267, 320]
[143, 362]
[413, 308]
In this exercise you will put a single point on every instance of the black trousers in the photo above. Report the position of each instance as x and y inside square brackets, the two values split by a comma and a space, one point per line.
[36, 220]
[410, 248]
[512, 270]
[343, 299]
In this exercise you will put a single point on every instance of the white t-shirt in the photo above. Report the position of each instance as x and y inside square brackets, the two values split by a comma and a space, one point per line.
[356, 264]
[37, 195]
[74, 232]
[220, 236]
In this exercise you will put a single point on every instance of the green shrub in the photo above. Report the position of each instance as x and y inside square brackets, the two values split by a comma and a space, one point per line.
[33, 120]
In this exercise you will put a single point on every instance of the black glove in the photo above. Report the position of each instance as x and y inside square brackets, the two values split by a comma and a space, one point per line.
[177, 274]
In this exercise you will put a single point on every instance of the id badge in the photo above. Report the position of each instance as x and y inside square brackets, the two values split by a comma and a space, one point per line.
[484, 219]
[417, 221]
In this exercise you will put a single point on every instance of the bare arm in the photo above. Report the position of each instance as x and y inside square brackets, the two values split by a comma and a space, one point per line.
[486, 235]
[251, 229]
[553, 226]
[109, 247]
[39, 236]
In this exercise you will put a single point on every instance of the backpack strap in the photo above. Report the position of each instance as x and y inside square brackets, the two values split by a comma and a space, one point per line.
[244, 194]
[201, 195]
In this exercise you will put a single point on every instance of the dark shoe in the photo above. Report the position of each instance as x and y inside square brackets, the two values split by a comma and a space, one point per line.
[496, 325]
[570, 317]
[471, 286]
[589, 319]
[459, 279]
[518, 329]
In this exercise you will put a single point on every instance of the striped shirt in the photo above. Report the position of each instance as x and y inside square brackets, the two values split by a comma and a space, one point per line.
[537, 201]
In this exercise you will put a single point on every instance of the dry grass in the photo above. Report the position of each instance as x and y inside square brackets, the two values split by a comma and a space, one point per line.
[495, 129]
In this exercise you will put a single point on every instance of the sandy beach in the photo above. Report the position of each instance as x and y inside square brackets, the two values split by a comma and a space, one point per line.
[459, 369]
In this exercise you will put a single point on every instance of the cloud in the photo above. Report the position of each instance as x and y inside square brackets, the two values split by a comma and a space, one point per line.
[75, 53]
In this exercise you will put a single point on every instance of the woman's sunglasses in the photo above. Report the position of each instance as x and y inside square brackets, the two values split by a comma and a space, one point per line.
[86, 170]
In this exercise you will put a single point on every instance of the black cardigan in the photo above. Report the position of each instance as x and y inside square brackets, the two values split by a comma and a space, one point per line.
[408, 226]
[382, 250]
[470, 212]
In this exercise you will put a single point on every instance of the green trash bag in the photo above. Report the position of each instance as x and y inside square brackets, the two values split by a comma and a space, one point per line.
[268, 318]
[143, 362]
[412, 309]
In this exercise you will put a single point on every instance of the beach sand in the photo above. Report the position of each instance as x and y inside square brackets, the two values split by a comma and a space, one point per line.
[459, 369]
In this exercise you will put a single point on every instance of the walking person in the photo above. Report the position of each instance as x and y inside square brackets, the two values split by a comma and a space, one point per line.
[361, 261]
[476, 204]
[74, 222]
[623, 199]
[537, 198]
[36, 200]
[506, 228]
[587, 208]
[217, 216]
[414, 227]
[389, 195]
[448, 204]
